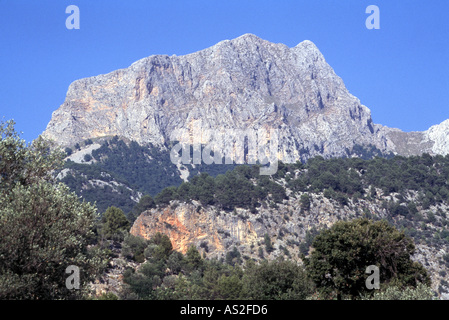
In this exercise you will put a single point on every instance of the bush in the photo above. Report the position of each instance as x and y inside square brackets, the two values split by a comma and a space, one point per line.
[342, 199]
[341, 254]
[87, 157]
[114, 224]
[260, 253]
[275, 280]
[305, 202]
[134, 247]
[268, 245]
[421, 292]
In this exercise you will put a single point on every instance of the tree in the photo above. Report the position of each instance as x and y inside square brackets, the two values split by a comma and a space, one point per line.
[43, 227]
[160, 247]
[202, 188]
[134, 247]
[193, 258]
[268, 245]
[22, 164]
[184, 191]
[305, 202]
[165, 196]
[145, 203]
[176, 262]
[342, 253]
[229, 287]
[87, 157]
[114, 223]
[275, 280]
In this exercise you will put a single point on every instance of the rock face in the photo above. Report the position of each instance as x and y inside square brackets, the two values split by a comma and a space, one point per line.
[189, 224]
[216, 232]
[240, 85]
[438, 136]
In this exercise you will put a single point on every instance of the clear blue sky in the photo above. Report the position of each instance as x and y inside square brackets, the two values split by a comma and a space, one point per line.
[400, 72]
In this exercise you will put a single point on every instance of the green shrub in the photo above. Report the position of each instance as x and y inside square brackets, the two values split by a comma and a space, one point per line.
[421, 292]
[87, 157]
[114, 224]
[134, 247]
[305, 202]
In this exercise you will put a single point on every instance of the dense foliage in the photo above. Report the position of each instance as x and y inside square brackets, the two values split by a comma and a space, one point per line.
[124, 169]
[78, 180]
[335, 269]
[137, 165]
[168, 274]
[348, 177]
[133, 167]
[342, 253]
[44, 228]
[242, 187]
[413, 190]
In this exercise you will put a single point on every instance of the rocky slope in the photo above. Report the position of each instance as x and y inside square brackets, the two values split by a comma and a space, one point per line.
[228, 91]
[289, 228]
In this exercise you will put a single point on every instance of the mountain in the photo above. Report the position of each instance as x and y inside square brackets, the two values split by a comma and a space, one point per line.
[232, 90]
[119, 129]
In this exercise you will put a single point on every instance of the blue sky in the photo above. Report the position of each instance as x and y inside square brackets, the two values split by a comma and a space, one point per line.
[400, 71]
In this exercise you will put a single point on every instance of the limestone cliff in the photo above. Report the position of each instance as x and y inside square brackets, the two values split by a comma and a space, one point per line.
[216, 232]
[189, 224]
[242, 84]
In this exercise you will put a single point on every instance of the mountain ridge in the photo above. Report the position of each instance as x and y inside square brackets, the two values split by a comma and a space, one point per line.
[246, 83]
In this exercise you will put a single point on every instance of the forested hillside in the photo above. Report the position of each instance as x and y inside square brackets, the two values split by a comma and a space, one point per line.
[408, 186]
[409, 193]
[412, 192]
[119, 172]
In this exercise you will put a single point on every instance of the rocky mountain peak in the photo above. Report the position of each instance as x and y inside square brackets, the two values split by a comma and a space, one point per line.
[233, 88]
[309, 48]
[439, 135]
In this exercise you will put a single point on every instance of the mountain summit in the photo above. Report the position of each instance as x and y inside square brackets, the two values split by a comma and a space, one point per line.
[242, 84]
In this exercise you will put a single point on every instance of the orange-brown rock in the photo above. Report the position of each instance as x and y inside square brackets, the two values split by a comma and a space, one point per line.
[187, 224]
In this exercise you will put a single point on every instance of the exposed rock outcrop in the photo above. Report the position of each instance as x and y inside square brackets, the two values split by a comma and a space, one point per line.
[438, 135]
[216, 232]
[232, 89]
